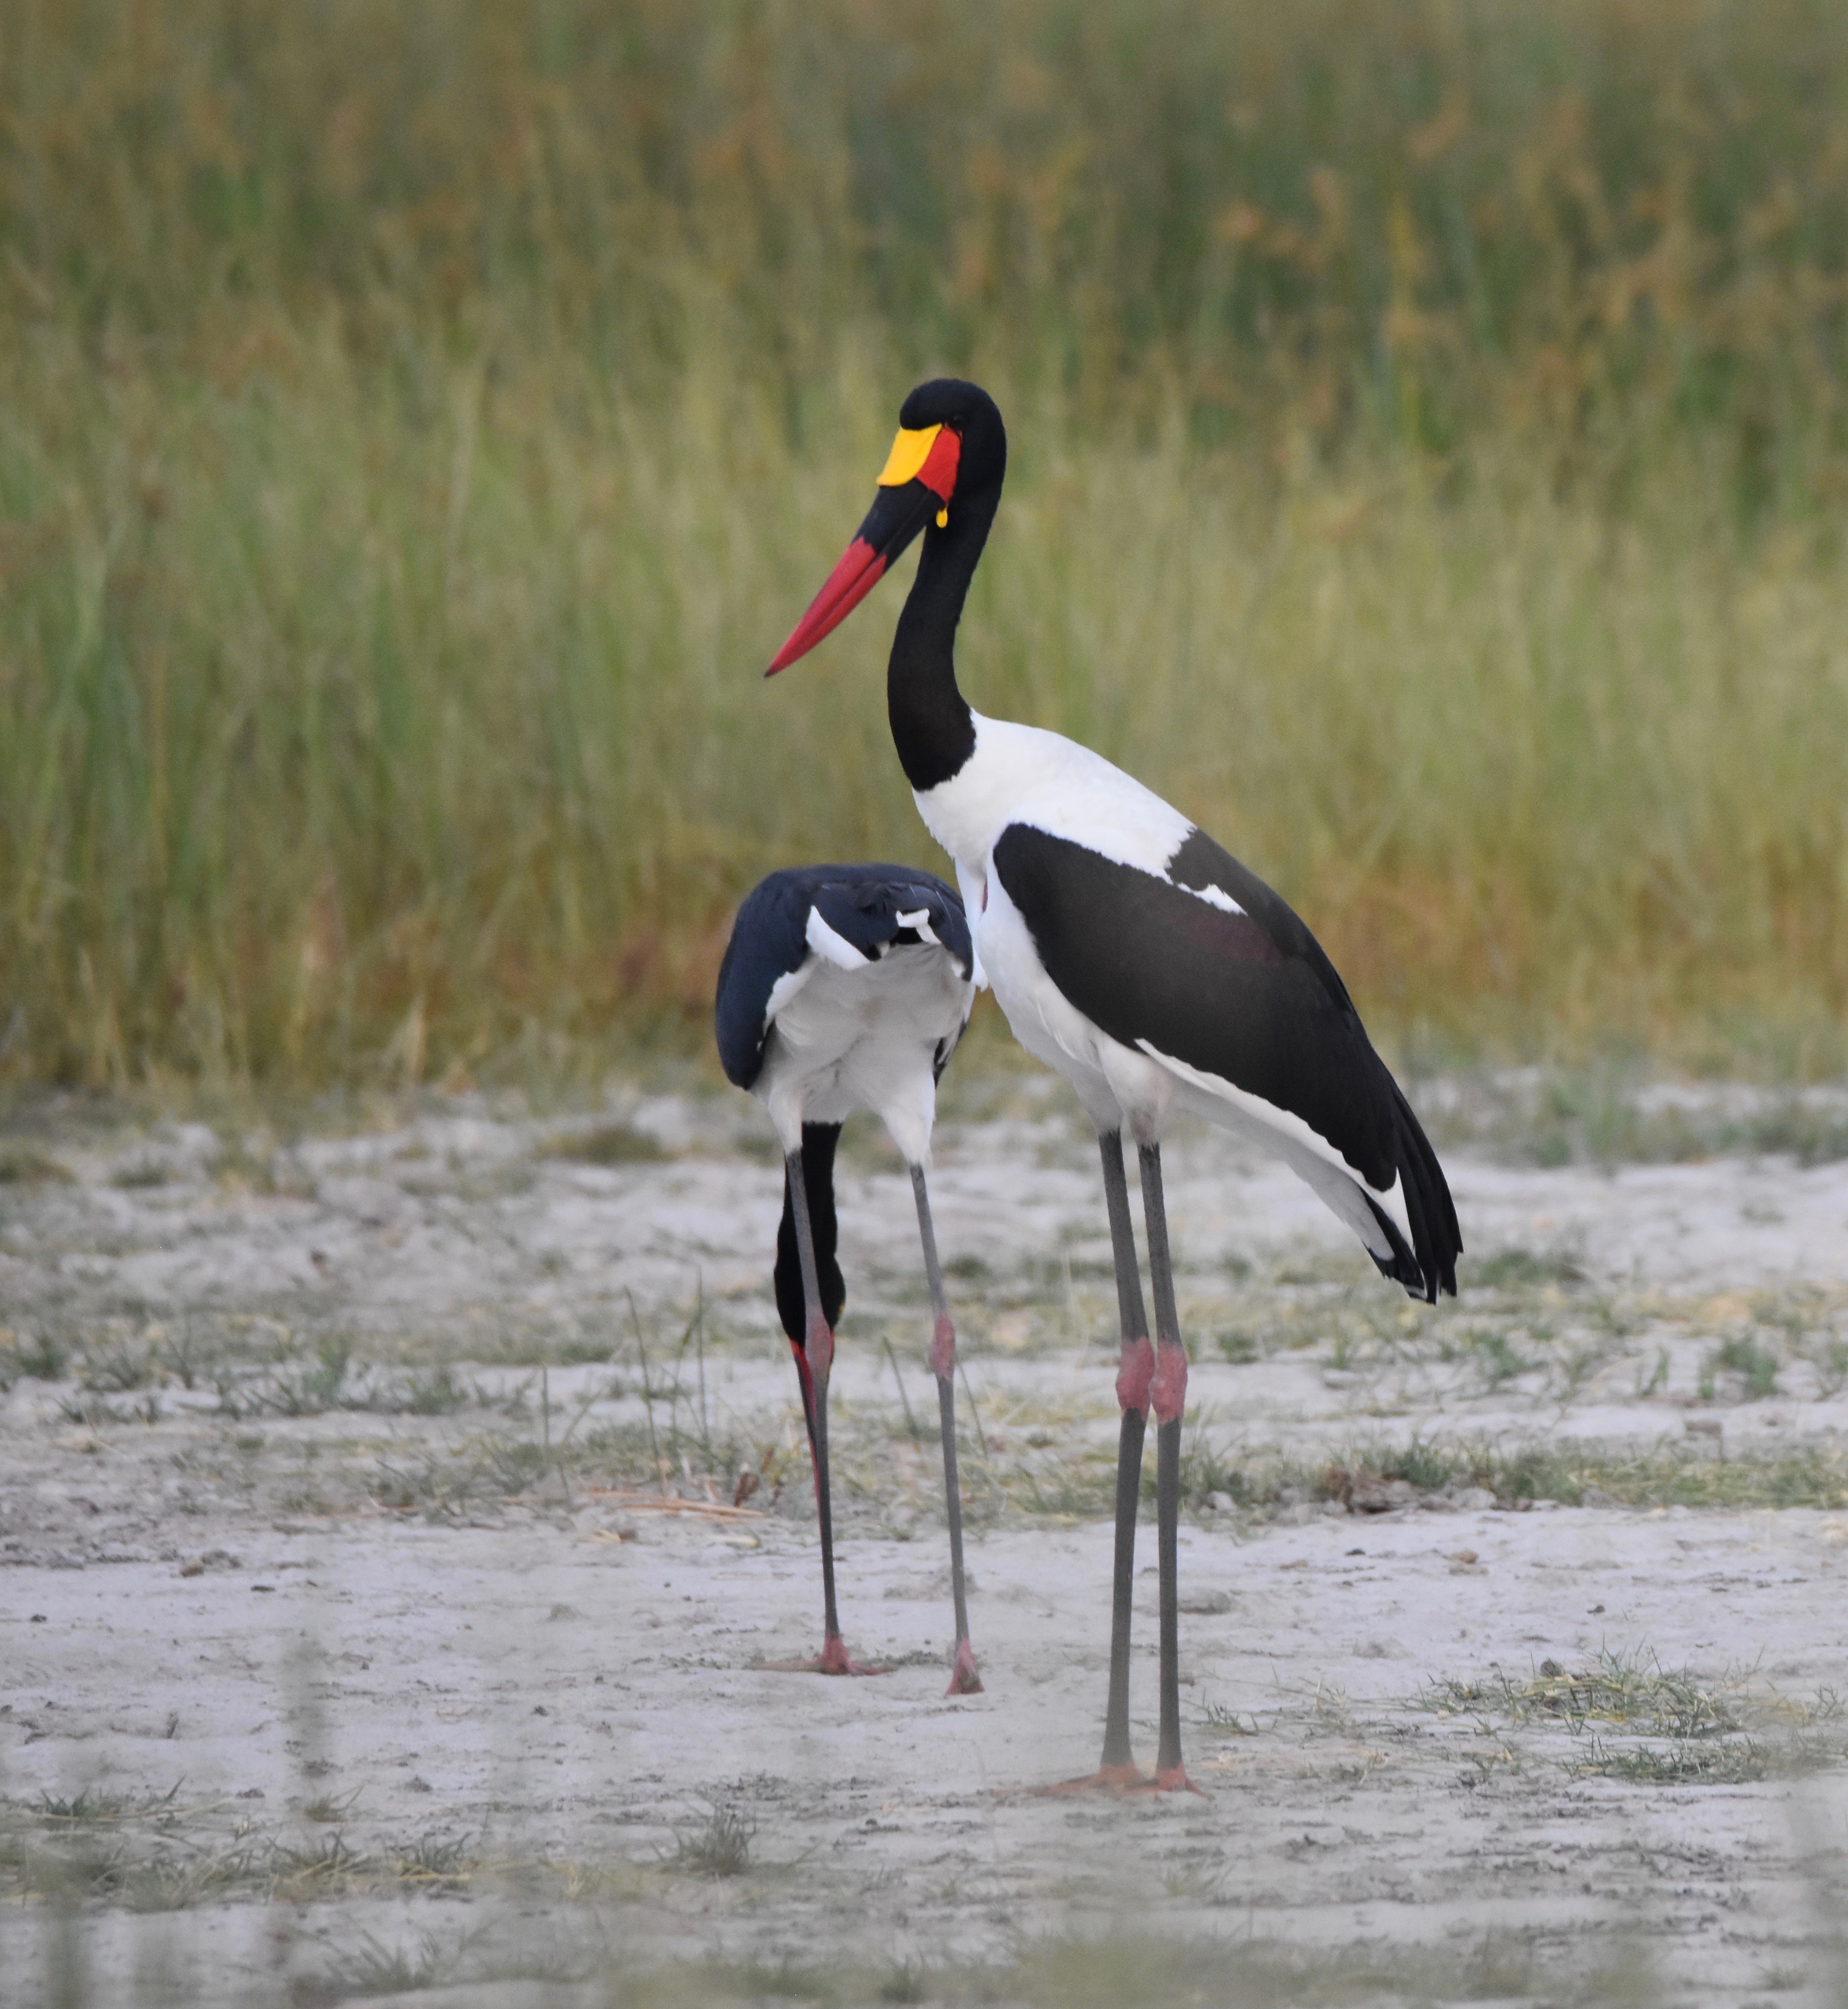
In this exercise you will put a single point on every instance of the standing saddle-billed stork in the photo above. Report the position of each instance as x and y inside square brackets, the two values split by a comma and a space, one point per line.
[847, 987]
[1133, 955]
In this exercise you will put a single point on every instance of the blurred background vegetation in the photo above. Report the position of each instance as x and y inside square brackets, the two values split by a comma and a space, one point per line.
[421, 419]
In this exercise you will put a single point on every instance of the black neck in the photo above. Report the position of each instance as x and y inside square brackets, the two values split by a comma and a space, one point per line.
[931, 725]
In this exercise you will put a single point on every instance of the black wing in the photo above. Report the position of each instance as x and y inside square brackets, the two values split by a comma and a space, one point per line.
[769, 940]
[1249, 997]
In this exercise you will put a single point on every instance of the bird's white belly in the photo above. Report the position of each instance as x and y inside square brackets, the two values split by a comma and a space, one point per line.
[865, 1039]
[1122, 1089]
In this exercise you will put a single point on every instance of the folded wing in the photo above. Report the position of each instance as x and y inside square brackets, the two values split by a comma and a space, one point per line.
[1204, 968]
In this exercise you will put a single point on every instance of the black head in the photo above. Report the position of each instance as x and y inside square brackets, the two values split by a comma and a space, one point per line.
[966, 410]
[951, 447]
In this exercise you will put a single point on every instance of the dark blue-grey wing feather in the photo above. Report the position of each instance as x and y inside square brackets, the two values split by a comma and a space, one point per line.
[769, 941]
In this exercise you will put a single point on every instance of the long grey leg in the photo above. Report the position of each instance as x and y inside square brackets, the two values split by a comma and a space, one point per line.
[964, 1679]
[814, 1364]
[1167, 1396]
[1135, 1370]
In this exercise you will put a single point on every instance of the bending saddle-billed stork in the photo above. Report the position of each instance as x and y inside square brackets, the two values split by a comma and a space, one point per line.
[1132, 954]
[847, 987]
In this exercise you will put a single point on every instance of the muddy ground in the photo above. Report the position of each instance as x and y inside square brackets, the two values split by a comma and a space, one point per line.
[376, 1618]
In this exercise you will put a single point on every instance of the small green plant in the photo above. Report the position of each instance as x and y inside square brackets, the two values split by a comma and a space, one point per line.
[1830, 1359]
[513, 1464]
[120, 1366]
[436, 1394]
[1497, 1359]
[438, 1861]
[1524, 1269]
[309, 1391]
[329, 1808]
[92, 1411]
[372, 1967]
[40, 1359]
[1207, 1468]
[1756, 1365]
[720, 1847]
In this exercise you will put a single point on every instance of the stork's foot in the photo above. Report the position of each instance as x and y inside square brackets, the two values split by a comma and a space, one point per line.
[832, 1659]
[1122, 1782]
[1175, 1780]
[964, 1679]
[1119, 1780]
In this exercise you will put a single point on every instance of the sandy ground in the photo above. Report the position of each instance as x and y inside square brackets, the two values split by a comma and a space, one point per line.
[349, 1647]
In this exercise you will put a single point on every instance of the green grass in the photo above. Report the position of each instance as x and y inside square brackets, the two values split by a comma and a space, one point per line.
[721, 1846]
[1742, 1762]
[1103, 1973]
[607, 1144]
[1637, 1720]
[1631, 1690]
[139, 1853]
[1754, 1366]
[417, 429]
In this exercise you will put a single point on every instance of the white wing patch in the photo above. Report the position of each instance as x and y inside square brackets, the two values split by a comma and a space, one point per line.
[831, 946]
[785, 988]
[1214, 896]
[919, 924]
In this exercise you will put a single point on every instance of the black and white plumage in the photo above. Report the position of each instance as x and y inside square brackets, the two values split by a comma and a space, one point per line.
[1187, 983]
[847, 987]
[1132, 954]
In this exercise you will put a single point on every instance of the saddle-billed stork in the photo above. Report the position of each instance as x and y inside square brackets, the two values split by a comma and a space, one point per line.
[847, 987]
[1133, 956]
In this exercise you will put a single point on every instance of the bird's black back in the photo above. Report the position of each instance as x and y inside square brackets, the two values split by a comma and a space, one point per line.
[770, 939]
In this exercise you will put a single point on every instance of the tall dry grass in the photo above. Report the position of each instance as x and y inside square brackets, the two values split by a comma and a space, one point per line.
[418, 424]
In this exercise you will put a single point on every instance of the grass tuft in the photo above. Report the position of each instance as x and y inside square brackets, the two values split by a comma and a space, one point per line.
[1755, 1367]
[609, 1144]
[720, 1847]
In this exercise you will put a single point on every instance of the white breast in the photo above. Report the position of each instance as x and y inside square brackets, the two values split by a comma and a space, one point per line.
[1019, 773]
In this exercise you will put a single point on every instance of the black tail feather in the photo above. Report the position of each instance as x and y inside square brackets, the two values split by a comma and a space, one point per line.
[1402, 1266]
[818, 1142]
[1428, 1207]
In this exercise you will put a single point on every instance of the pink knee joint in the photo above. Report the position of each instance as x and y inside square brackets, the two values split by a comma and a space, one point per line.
[943, 1348]
[1167, 1388]
[1135, 1370]
[818, 1346]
